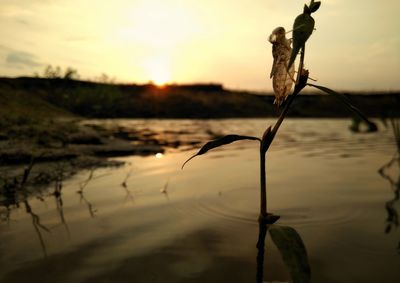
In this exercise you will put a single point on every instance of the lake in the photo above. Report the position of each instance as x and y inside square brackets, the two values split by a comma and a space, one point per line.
[150, 221]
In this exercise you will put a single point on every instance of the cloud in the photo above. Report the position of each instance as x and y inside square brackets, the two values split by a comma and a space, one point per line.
[4, 48]
[80, 38]
[21, 21]
[20, 59]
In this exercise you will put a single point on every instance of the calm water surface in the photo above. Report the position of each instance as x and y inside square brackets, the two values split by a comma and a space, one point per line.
[149, 221]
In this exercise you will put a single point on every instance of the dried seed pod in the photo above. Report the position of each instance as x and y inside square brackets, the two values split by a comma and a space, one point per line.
[282, 77]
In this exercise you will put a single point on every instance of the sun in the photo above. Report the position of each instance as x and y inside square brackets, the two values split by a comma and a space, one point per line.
[160, 77]
[158, 70]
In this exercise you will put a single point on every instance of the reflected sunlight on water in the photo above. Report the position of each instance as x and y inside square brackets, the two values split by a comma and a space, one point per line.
[149, 220]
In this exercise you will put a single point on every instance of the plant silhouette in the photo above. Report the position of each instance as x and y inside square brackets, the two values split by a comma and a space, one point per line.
[392, 220]
[302, 29]
[290, 246]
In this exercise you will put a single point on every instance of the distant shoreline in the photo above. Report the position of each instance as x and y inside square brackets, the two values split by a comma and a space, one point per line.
[60, 97]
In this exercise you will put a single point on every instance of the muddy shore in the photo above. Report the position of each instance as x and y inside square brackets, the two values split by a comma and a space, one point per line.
[56, 149]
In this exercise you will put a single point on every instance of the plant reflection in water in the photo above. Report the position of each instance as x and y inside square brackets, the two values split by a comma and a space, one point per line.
[15, 190]
[392, 220]
[82, 198]
[164, 189]
[58, 197]
[291, 248]
[124, 184]
[37, 226]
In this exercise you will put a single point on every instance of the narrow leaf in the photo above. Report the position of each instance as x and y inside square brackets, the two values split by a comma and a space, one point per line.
[303, 27]
[293, 252]
[220, 142]
[306, 9]
[315, 6]
[371, 125]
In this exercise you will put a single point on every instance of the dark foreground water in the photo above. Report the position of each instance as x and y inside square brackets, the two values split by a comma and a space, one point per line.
[149, 221]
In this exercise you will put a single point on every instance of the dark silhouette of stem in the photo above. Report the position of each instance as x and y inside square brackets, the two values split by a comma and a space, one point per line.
[301, 82]
[261, 251]
[263, 182]
[269, 136]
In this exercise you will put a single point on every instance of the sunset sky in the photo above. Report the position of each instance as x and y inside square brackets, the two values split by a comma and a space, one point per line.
[355, 45]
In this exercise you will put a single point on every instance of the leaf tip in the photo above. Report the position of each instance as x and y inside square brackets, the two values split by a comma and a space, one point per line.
[306, 9]
[183, 165]
[315, 6]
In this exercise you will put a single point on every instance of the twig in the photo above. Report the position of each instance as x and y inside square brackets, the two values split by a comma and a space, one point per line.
[269, 136]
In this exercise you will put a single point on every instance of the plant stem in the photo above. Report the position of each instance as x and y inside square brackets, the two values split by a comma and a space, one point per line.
[263, 184]
[269, 135]
[298, 87]
[301, 82]
[263, 229]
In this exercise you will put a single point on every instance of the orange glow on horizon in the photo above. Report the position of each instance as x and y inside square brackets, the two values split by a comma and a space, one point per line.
[197, 41]
[158, 70]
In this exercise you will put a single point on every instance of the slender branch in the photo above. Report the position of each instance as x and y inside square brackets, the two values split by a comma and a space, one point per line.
[263, 184]
[269, 136]
[301, 82]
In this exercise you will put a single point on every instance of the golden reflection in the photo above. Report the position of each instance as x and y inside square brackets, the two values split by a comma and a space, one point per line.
[159, 155]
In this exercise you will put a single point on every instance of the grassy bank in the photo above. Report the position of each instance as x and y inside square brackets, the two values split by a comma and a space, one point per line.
[63, 97]
[39, 117]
